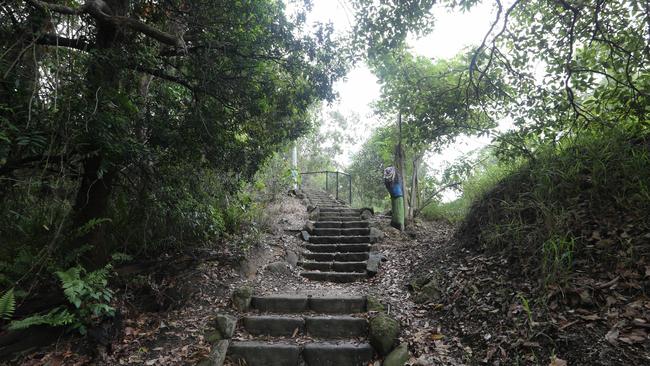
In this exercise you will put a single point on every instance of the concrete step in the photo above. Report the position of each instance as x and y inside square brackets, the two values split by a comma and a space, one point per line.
[339, 214]
[338, 218]
[337, 354]
[264, 354]
[340, 210]
[281, 303]
[338, 248]
[344, 353]
[273, 325]
[314, 326]
[342, 225]
[341, 232]
[338, 277]
[338, 257]
[336, 326]
[285, 303]
[335, 266]
[326, 239]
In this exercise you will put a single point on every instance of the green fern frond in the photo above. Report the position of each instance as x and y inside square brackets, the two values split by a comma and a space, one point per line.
[57, 317]
[7, 305]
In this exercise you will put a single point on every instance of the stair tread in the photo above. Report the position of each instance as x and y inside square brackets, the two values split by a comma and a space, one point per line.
[339, 277]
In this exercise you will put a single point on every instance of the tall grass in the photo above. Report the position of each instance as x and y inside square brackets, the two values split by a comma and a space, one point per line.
[483, 179]
[589, 192]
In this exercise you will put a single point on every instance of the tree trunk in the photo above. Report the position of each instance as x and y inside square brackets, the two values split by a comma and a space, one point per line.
[90, 208]
[93, 195]
[399, 161]
[414, 186]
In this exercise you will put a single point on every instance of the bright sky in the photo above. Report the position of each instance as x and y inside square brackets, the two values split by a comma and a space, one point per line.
[453, 32]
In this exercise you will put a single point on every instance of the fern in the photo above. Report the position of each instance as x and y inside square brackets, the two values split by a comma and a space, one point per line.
[89, 294]
[73, 285]
[57, 317]
[7, 305]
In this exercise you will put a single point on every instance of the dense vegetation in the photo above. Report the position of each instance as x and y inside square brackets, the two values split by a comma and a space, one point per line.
[132, 127]
[137, 129]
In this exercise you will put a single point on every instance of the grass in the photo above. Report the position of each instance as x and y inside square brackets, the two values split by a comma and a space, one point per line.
[485, 177]
[584, 198]
[557, 259]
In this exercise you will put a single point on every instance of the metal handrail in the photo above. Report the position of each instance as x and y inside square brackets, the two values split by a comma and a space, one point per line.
[327, 172]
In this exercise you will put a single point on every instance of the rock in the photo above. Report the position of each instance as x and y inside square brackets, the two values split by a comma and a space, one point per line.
[375, 235]
[217, 355]
[281, 268]
[292, 258]
[373, 304]
[366, 214]
[309, 227]
[398, 356]
[241, 298]
[372, 265]
[305, 235]
[248, 269]
[383, 333]
[429, 292]
[419, 281]
[314, 214]
[222, 327]
[226, 325]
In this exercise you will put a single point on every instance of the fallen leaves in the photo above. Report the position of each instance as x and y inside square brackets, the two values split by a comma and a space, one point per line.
[556, 361]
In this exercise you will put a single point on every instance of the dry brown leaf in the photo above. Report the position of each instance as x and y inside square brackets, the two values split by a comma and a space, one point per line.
[556, 361]
[437, 336]
[634, 336]
[612, 337]
[590, 317]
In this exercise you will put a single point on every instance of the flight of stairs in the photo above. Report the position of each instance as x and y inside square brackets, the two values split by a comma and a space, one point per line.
[339, 243]
[310, 329]
[292, 330]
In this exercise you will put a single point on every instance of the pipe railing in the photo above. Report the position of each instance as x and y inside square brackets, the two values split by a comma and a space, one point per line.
[334, 187]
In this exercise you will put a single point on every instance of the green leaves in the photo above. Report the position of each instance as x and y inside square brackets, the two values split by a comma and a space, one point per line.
[7, 305]
[57, 317]
[433, 97]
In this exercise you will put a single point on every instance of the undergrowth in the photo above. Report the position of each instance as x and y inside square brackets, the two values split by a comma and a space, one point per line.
[582, 199]
[184, 210]
[483, 177]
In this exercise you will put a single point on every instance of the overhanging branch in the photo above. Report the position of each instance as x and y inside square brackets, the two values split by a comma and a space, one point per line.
[50, 39]
[100, 12]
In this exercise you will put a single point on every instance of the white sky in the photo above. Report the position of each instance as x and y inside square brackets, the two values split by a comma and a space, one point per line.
[453, 32]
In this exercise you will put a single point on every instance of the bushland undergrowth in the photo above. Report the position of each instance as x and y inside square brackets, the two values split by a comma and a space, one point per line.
[582, 200]
[182, 212]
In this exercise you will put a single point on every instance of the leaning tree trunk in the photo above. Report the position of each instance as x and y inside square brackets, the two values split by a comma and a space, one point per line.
[93, 195]
[413, 203]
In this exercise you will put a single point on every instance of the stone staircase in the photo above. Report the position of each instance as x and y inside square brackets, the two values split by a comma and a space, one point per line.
[339, 247]
[309, 329]
[292, 330]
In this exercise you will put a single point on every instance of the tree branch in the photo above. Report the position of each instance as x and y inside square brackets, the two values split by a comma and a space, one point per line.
[57, 8]
[50, 39]
[98, 10]
[429, 200]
